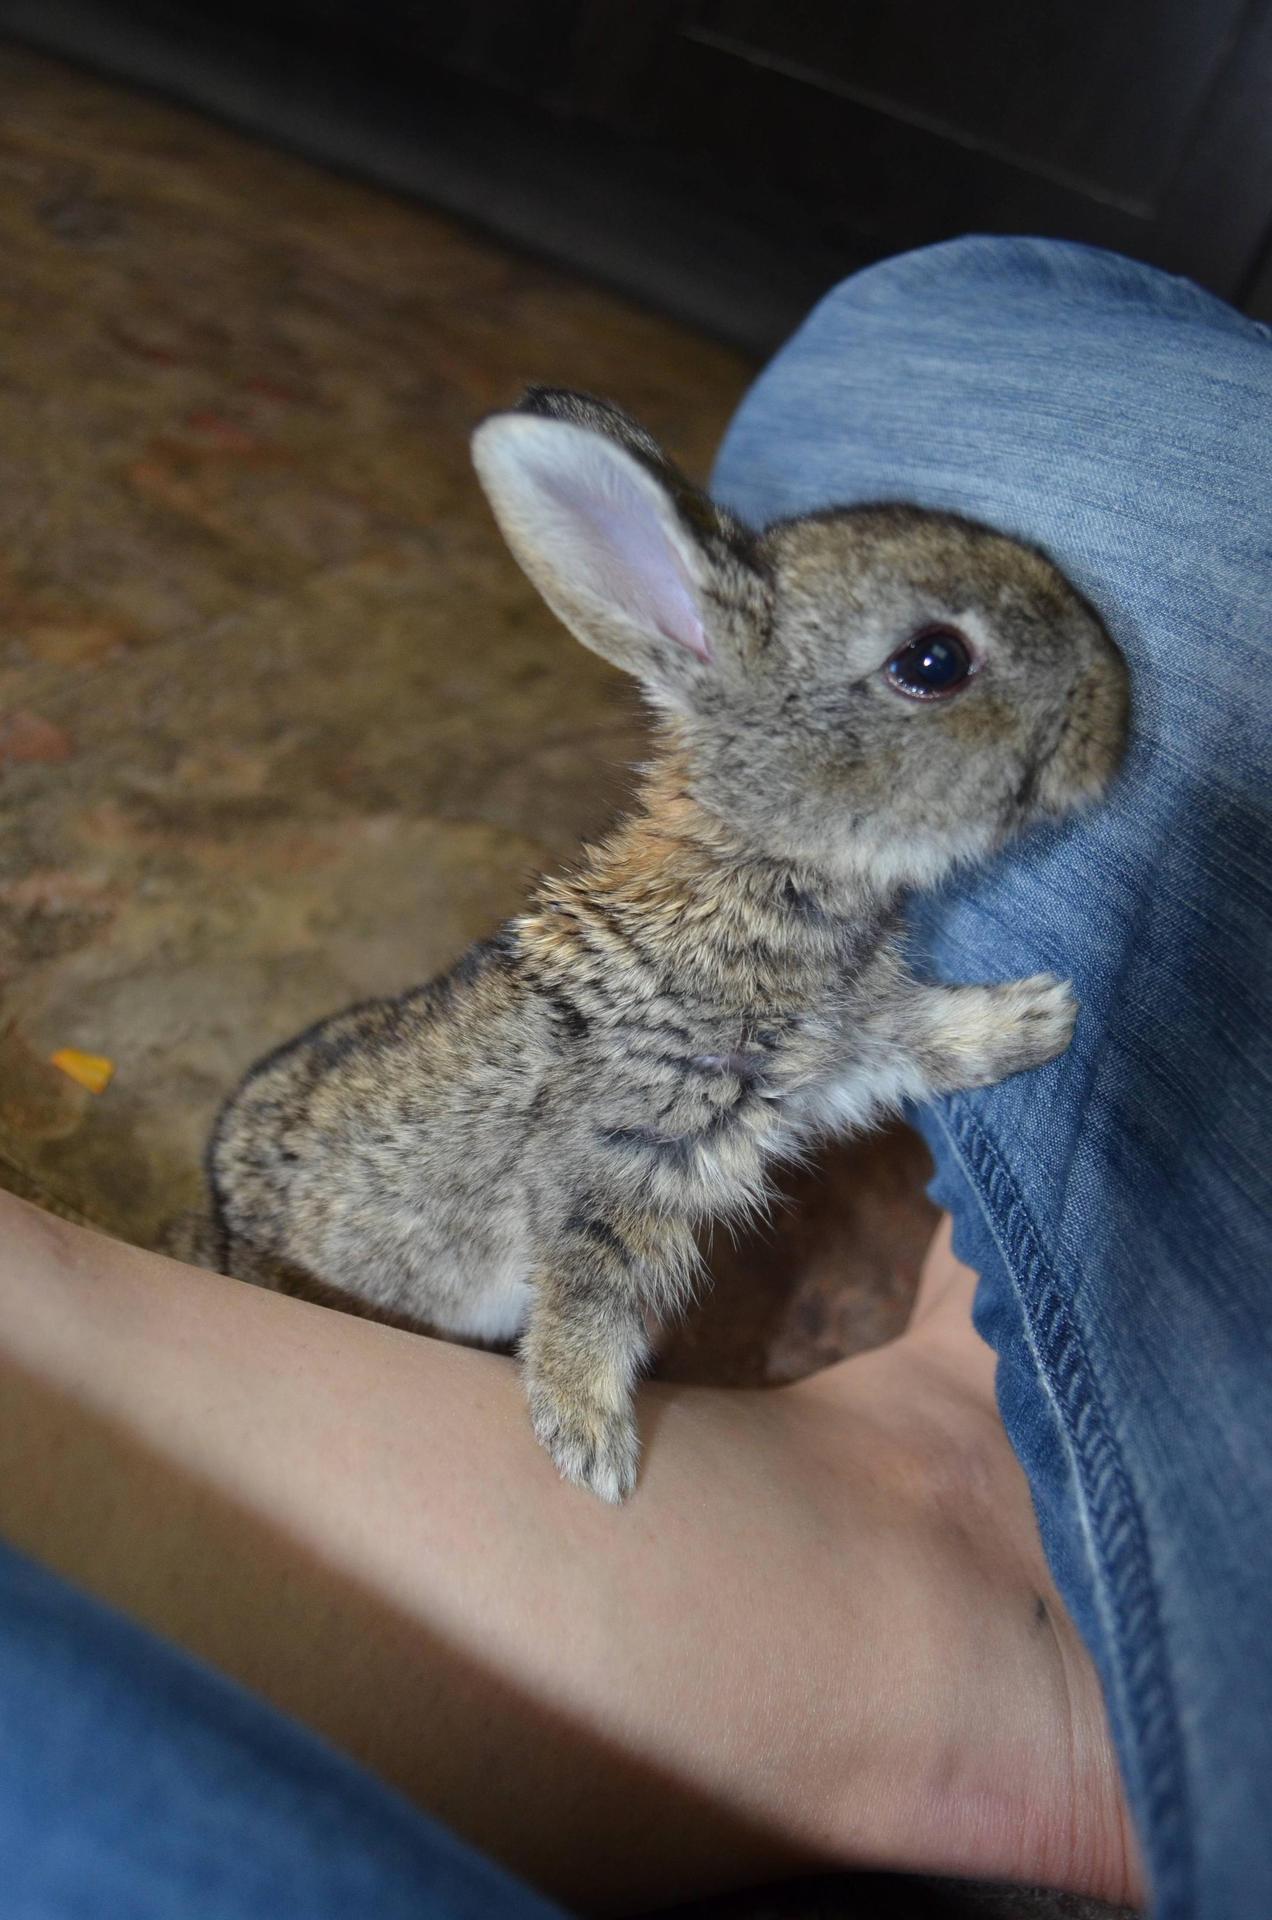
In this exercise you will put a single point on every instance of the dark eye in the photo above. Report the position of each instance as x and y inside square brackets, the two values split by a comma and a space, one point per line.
[935, 663]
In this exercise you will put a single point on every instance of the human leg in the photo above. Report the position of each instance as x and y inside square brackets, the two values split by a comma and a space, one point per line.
[1115, 1204]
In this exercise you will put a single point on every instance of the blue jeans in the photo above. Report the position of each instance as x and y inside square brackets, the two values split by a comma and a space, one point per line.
[1114, 1204]
[137, 1785]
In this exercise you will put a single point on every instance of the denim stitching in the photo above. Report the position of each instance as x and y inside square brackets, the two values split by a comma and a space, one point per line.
[1129, 1597]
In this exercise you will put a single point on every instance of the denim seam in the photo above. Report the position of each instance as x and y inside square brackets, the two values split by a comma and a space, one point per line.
[1126, 1589]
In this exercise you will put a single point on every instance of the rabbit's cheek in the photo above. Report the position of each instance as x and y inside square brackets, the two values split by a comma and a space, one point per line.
[1091, 744]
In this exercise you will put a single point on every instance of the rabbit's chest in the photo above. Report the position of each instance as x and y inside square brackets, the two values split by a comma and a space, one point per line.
[823, 1072]
[694, 1107]
[735, 1105]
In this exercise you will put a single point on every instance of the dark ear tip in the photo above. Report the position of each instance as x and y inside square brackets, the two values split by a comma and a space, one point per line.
[554, 403]
[588, 410]
[560, 403]
[545, 402]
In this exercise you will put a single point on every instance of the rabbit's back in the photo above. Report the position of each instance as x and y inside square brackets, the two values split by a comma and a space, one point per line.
[381, 1152]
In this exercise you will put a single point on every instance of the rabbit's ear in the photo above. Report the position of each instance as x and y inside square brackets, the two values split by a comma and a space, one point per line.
[599, 525]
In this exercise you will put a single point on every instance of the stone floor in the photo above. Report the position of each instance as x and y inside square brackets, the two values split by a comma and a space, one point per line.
[281, 724]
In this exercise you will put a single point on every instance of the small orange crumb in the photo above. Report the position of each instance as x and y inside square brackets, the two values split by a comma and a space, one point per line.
[91, 1070]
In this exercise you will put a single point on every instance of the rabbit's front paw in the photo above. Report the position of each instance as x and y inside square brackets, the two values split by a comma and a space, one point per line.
[592, 1444]
[1038, 1016]
[976, 1036]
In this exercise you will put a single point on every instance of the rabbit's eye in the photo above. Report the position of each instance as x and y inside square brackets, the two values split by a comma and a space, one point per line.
[937, 662]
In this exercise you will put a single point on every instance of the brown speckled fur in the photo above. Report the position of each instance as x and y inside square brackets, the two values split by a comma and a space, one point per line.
[534, 1141]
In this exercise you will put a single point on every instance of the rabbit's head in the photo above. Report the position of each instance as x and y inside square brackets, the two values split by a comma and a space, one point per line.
[879, 690]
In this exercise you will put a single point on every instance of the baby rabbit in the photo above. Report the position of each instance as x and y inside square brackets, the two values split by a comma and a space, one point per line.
[848, 705]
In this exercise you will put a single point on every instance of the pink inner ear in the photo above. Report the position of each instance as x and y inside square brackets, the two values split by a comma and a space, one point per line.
[623, 553]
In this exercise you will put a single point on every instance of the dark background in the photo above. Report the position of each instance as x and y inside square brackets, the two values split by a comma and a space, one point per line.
[727, 160]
